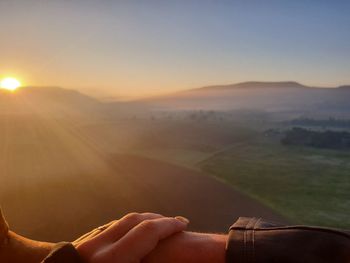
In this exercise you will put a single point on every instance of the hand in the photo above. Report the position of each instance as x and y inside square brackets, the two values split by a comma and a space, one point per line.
[129, 239]
[189, 247]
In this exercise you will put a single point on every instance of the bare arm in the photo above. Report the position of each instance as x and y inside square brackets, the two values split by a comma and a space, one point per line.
[190, 247]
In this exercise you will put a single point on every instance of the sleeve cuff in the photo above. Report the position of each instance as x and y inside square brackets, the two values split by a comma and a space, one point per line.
[256, 240]
[240, 245]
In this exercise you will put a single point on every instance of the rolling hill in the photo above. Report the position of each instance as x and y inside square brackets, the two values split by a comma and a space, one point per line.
[48, 101]
[286, 97]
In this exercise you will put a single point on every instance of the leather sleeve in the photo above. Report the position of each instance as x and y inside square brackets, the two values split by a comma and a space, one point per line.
[252, 240]
[63, 252]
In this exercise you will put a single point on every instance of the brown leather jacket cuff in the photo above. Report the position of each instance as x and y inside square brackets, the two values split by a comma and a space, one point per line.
[258, 241]
[63, 252]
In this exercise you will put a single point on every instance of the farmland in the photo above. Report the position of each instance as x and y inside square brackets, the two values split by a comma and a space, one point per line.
[304, 184]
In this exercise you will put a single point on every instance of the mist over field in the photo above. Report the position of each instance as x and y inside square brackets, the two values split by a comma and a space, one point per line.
[278, 97]
[67, 155]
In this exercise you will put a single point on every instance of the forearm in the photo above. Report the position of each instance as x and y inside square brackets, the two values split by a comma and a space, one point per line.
[190, 247]
[17, 248]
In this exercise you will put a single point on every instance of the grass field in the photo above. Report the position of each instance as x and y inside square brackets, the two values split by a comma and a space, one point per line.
[306, 185]
[186, 143]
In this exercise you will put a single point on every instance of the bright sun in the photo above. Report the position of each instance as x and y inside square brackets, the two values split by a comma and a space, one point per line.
[10, 84]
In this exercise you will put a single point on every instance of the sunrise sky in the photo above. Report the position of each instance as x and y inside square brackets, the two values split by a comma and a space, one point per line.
[138, 48]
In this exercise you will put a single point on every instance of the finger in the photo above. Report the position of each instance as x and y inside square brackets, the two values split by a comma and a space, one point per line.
[117, 230]
[92, 233]
[143, 238]
[85, 237]
[124, 225]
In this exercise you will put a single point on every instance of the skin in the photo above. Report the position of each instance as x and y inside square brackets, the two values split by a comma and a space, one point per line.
[129, 239]
[146, 245]
[134, 238]
[189, 247]
[16, 248]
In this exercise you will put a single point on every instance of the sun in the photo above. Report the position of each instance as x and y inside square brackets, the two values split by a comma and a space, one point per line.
[10, 84]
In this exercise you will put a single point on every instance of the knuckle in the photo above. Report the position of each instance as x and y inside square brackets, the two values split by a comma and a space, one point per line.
[148, 226]
[133, 217]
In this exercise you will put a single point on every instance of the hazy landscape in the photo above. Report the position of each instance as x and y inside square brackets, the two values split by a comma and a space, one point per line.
[207, 156]
[211, 110]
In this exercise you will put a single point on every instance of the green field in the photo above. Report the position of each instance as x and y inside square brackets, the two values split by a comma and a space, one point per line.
[308, 186]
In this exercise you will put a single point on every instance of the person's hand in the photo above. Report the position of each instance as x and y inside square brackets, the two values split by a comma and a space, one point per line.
[189, 247]
[129, 239]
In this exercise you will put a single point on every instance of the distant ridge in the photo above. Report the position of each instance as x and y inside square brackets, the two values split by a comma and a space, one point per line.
[281, 96]
[256, 84]
[53, 101]
[54, 92]
[265, 85]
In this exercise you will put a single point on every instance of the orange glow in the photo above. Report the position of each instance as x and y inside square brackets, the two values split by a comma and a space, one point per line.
[10, 84]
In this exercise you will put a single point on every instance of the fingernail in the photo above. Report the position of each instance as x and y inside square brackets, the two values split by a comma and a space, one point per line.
[182, 219]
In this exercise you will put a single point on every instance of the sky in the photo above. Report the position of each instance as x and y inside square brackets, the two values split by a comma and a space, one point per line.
[140, 48]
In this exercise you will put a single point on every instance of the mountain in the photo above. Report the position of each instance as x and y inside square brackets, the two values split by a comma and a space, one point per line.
[53, 101]
[255, 85]
[64, 103]
[288, 96]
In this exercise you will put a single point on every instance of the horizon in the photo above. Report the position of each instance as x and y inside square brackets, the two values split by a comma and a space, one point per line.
[129, 49]
[136, 98]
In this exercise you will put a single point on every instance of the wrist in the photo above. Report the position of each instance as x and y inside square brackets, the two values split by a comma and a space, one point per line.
[214, 247]
[190, 247]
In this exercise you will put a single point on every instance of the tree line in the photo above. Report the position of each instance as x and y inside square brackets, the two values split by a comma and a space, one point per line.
[330, 122]
[326, 139]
